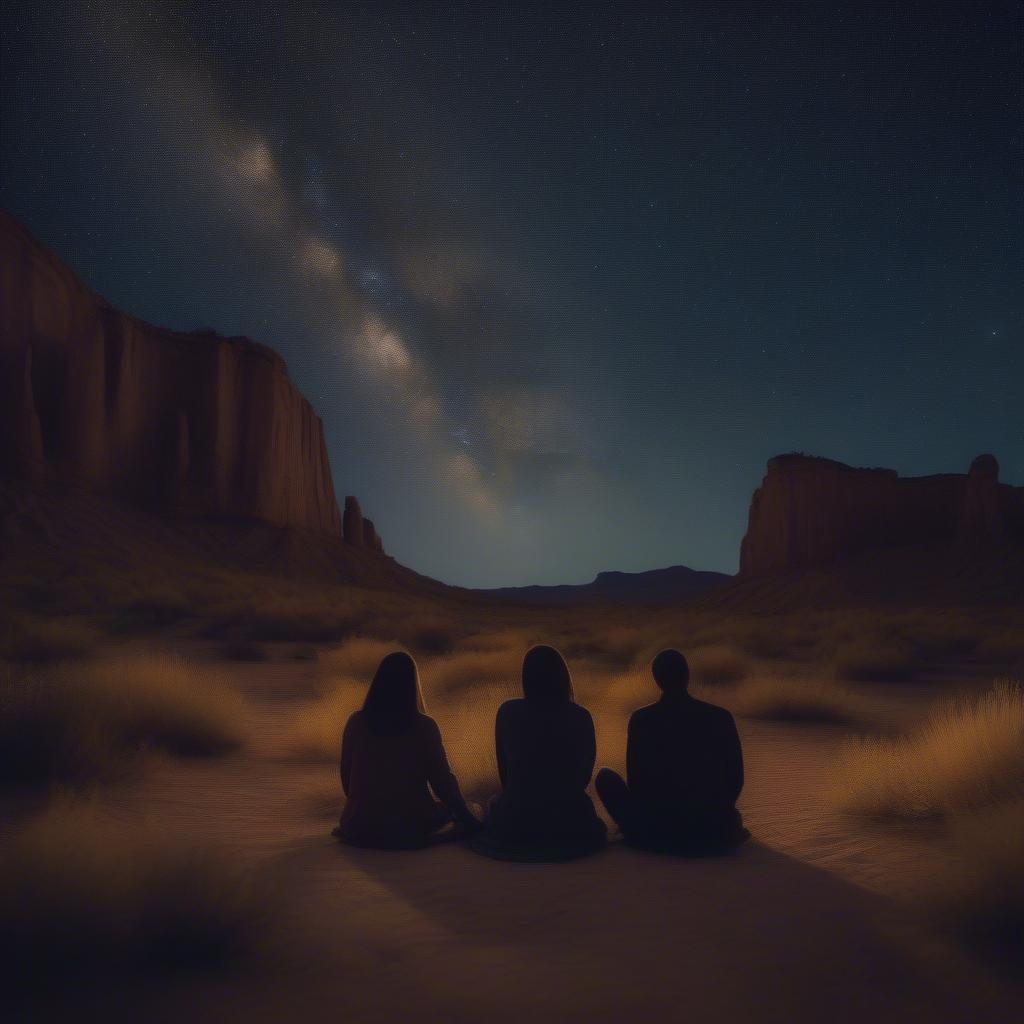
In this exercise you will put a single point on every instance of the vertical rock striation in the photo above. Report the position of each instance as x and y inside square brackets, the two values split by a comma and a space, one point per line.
[809, 512]
[190, 423]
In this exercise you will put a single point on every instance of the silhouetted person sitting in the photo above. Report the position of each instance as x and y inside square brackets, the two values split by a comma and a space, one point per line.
[390, 751]
[545, 748]
[684, 767]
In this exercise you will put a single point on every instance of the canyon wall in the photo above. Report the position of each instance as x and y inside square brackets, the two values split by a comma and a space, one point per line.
[810, 512]
[188, 423]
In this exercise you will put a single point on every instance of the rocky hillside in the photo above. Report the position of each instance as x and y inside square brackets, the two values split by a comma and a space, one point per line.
[195, 425]
[811, 512]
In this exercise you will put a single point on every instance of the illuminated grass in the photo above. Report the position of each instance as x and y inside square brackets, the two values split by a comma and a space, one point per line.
[968, 755]
[82, 894]
[80, 722]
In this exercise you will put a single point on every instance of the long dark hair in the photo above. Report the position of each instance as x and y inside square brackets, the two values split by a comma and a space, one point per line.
[394, 698]
[546, 678]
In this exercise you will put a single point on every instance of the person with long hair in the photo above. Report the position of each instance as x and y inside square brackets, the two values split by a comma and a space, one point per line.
[545, 746]
[392, 757]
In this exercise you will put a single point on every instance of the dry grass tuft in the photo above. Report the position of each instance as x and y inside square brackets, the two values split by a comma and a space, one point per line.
[80, 893]
[316, 730]
[716, 664]
[244, 650]
[599, 641]
[870, 662]
[466, 722]
[78, 723]
[42, 641]
[968, 755]
[357, 659]
[791, 699]
[468, 670]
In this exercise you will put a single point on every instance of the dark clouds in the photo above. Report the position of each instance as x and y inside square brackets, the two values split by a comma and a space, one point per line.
[557, 281]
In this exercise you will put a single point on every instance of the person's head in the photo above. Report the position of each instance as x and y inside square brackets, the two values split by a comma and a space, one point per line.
[394, 698]
[671, 671]
[546, 678]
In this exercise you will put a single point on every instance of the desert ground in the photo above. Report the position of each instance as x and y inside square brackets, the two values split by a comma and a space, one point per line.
[855, 900]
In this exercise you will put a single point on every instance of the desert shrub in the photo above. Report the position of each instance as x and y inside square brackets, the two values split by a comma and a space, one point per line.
[716, 664]
[244, 650]
[792, 699]
[39, 641]
[978, 893]
[315, 733]
[466, 722]
[779, 641]
[864, 661]
[356, 659]
[431, 640]
[468, 669]
[80, 893]
[78, 723]
[967, 755]
[284, 624]
[618, 646]
[940, 635]
[152, 612]
[511, 639]
[1003, 647]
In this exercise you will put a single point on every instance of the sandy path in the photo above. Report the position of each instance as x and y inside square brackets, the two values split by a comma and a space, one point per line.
[794, 928]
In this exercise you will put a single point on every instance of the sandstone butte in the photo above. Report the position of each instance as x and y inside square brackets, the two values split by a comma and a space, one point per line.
[810, 512]
[192, 424]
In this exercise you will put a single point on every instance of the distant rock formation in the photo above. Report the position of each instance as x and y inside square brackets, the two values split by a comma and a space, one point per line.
[810, 512]
[655, 586]
[195, 424]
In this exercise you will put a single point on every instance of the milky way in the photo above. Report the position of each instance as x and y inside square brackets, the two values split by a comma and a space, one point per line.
[558, 283]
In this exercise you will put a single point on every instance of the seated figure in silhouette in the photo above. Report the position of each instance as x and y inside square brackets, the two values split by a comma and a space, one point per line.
[545, 746]
[391, 752]
[684, 769]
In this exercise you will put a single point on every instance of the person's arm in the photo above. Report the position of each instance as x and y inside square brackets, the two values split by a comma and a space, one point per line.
[442, 779]
[499, 747]
[733, 774]
[347, 745]
[587, 749]
[633, 765]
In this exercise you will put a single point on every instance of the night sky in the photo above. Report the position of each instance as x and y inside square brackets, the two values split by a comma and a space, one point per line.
[559, 280]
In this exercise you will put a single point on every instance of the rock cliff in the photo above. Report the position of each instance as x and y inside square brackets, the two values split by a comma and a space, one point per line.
[810, 512]
[189, 423]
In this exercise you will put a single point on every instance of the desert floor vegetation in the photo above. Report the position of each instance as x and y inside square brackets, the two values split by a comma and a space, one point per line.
[80, 722]
[716, 664]
[964, 767]
[867, 661]
[966, 756]
[43, 640]
[82, 893]
[799, 699]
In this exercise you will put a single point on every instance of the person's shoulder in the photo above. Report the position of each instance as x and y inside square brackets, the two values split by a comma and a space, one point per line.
[426, 724]
[645, 714]
[580, 712]
[714, 712]
[512, 706]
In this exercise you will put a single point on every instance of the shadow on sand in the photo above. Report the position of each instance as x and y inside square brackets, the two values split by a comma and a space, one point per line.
[755, 936]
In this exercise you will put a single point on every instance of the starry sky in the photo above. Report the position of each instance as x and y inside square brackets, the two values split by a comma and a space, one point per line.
[559, 278]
